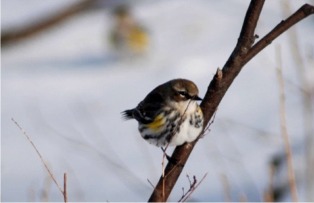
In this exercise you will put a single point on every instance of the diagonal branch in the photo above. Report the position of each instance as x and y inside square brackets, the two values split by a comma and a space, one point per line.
[214, 94]
[283, 26]
[17, 34]
[222, 80]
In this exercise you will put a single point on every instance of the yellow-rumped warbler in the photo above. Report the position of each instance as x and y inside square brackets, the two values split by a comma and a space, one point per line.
[128, 35]
[169, 114]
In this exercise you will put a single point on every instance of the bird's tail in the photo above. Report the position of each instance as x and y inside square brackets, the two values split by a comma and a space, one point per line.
[127, 114]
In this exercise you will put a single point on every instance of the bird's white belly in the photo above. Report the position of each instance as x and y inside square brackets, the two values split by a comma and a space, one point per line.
[187, 133]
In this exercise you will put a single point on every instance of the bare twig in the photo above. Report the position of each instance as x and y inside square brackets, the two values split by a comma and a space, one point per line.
[151, 184]
[194, 188]
[284, 131]
[193, 185]
[65, 191]
[42, 160]
[283, 26]
[163, 167]
[222, 80]
[207, 128]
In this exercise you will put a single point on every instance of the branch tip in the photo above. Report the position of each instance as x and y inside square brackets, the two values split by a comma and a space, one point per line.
[307, 8]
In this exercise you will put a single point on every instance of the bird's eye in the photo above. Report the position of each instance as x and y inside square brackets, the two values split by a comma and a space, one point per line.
[183, 94]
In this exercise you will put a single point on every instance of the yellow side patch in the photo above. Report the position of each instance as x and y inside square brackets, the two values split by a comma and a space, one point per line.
[199, 109]
[157, 123]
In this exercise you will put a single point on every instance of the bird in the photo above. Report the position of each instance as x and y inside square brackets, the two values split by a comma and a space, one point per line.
[169, 115]
[128, 35]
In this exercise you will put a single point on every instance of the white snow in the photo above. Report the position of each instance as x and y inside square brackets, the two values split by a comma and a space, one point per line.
[66, 89]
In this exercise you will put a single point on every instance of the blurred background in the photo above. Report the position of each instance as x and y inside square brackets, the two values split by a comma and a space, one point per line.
[69, 68]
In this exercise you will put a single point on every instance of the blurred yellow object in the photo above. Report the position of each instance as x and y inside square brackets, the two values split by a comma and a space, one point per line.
[138, 40]
[127, 35]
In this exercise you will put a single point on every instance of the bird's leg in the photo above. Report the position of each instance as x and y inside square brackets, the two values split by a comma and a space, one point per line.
[165, 154]
[169, 158]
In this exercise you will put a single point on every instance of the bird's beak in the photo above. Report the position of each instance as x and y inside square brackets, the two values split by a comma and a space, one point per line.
[197, 98]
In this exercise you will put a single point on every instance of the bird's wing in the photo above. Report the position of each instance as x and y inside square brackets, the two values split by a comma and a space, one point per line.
[149, 108]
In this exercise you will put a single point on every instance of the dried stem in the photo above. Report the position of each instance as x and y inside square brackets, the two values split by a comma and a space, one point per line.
[63, 192]
[284, 131]
[222, 80]
[307, 105]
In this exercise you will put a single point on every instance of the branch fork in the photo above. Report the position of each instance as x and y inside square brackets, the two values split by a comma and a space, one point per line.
[243, 52]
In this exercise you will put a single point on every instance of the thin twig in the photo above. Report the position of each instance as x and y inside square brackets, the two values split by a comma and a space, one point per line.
[284, 131]
[164, 150]
[283, 26]
[163, 168]
[40, 156]
[193, 186]
[151, 184]
[65, 191]
[206, 129]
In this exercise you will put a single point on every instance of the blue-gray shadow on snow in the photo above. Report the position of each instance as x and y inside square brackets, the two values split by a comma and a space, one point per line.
[91, 61]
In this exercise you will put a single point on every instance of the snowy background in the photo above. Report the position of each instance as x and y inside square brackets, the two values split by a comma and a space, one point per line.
[66, 89]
